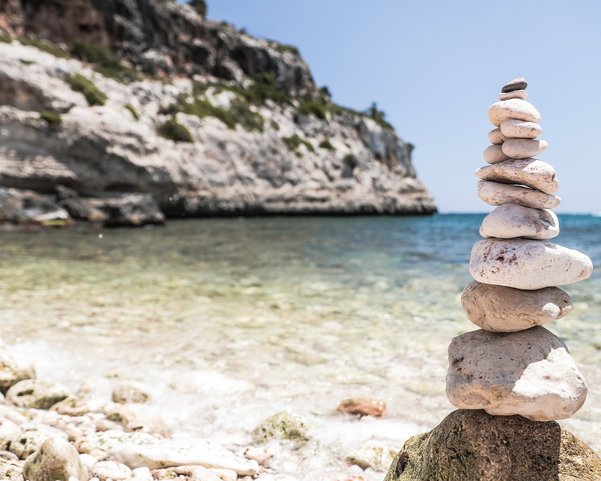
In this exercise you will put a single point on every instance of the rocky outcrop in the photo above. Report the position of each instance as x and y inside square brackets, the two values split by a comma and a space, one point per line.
[85, 136]
[473, 445]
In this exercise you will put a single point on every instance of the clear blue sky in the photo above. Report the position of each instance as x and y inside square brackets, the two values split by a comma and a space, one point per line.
[436, 66]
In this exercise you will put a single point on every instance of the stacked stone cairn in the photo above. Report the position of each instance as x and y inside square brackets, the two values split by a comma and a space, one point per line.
[512, 365]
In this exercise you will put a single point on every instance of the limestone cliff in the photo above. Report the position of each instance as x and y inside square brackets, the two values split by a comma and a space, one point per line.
[127, 111]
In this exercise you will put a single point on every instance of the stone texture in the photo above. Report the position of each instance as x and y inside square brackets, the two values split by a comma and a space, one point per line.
[509, 221]
[130, 392]
[512, 109]
[527, 264]
[519, 83]
[474, 446]
[529, 172]
[110, 470]
[362, 407]
[283, 426]
[56, 460]
[504, 309]
[496, 193]
[373, 455]
[11, 470]
[35, 393]
[13, 370]
[524, 148]
[494, 154]
[512, 128]
[514, 94]
[529, 373]
[496, 137]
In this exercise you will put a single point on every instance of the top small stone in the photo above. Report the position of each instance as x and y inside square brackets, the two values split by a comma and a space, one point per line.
[519, 83]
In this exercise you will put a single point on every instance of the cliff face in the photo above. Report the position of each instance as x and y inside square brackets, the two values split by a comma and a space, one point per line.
[126, 111]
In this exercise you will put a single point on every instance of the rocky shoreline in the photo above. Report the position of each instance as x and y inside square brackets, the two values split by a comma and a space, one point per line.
[95, 130]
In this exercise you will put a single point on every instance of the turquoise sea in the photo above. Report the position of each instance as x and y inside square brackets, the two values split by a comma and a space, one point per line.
[233, 320]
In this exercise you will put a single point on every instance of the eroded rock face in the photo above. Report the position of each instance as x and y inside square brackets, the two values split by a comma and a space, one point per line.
[529, 373]
[472, 445]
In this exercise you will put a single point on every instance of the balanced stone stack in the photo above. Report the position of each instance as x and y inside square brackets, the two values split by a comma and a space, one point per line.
[512, 365]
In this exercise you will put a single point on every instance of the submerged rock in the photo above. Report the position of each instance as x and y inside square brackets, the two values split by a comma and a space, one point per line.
[13, 370]
[130, 392]
[34, 393]
[283, 426]
[473, 445]
[56, 460]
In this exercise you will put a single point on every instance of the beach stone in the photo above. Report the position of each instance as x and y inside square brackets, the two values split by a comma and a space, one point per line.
[529, 172]
[135, 417]
[71, 406]
[524, 148]
[513, 128]
[130, 392]
[494, 154]
[504, 309]
[509, 221]
[529, 373]
[11, 470]
[142, 474]
[496, 193]
[496, 137]
[527, 264]
[35, 393]
[518, 83]
[13, 370]
[8, 456]
[283, 426]
[514, 94]
[362, 407]
[374, 455]
[8, 431]
[27, 443]
[471, 445]
[110, 470]
[56, 460]
[512, 109]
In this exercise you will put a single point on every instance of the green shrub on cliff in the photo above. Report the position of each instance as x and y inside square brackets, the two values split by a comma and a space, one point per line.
[79, 83]
[104, 61]
[53, 119]
[311, 106]
[200, 6]
[45, 46]
[282, 48]
[294, 142]
[132, 110]
[5, 38]
[173, 130]
[325, 144]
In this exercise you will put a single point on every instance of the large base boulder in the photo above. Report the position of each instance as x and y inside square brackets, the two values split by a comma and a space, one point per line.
[475, 446]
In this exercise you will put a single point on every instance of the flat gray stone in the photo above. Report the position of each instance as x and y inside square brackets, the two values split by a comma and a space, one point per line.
[519, 83]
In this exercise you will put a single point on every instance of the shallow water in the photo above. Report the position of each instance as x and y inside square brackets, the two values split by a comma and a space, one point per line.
[269, 314]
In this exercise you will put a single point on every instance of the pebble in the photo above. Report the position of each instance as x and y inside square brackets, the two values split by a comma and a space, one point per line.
[530, 172]
[71, 406]
[35, 393]
[362, 407]
[527, 264]
[518, 83]
[373, 455]
[524, 148]
[142, 474]
[283, 426]
[13, 370]
[529, 373]
[512, 109]
[56, 460]
[496, 136]
[496, 193]
[110, 470]
[130, 392]
[494, 154]
[509, 221]
[514, 94]
[520, 129]
[504, 309]
[8, 432]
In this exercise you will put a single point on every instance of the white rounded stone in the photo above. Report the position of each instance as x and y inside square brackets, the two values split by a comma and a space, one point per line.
[496, 137]
[494, 154]
[524, 148]
[504, 309]
[527, 264]
[509, 221]
[512, 109]
[530, 172]
[529, 373]
[514, 94]
[519, 129]
[496, 193]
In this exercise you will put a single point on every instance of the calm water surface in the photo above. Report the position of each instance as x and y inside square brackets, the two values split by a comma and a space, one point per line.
[245, 318]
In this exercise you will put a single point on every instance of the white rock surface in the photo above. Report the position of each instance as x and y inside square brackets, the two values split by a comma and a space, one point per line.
[524, 148]
[530, 172]
[130, 392]
[110, 470]
[520, 129]
[13, 370]
[496, 193]
[514, 94]
[529, 373]
[527, 264]
[374, 455]
[496, 137]
[57, 460]
[504, 309]
[512, 109]
[509, 221]
[35, 393]
[494, 154]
